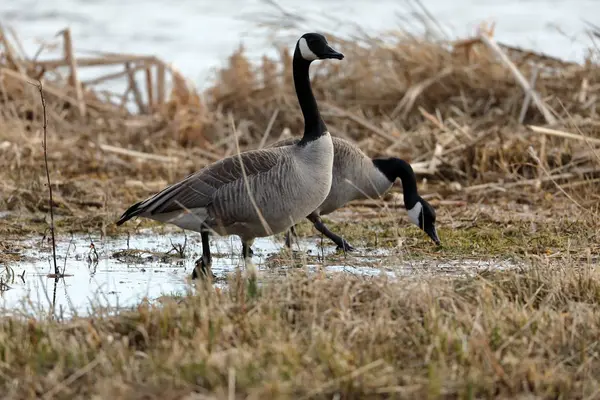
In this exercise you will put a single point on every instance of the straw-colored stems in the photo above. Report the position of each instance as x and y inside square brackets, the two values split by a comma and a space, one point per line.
[563, 134]
[73, 77]
[492, 45]
[137, 95]
[527, 100]
[160, 83]
[9, 52]
[112, 59]
[135, 154]
[114, 75]
[361, 121]
[268, 130]
[149, 88]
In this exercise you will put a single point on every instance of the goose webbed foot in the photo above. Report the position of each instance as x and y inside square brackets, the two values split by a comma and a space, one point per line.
[288, 240]
[203, 265]
[288, 237]
[247, 252]
[202, 269]
[345, 246]
[320, 226]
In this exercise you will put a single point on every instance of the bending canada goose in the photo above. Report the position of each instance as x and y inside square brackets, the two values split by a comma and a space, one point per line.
[356, 176]
[285, 183]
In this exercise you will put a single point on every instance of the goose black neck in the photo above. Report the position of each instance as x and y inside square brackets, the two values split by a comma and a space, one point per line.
[314, 126]
[394, 168]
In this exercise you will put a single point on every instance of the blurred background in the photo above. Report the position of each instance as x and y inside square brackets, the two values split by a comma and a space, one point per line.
[197, 35]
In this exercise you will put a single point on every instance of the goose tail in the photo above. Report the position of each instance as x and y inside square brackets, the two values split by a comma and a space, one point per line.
[131, 212]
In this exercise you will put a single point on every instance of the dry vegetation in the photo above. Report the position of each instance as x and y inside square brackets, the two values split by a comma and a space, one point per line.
[496, 335]
[452, 109]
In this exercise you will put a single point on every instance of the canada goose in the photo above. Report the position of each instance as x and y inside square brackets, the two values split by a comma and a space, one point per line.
[356, 176]
[285, 183]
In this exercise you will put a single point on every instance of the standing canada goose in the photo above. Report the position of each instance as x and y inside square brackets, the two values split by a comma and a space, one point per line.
[356, 176]
[284, 184]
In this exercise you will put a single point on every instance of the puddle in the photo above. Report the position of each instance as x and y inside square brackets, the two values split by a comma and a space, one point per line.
[119, 273]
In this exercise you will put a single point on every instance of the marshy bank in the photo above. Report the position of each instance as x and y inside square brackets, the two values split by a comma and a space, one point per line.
[497, 334]
[118, 273]
[513, 177]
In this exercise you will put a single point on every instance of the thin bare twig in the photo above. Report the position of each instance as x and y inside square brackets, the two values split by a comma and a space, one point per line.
[527, 100]
[268, 130]
[537, 159]
[50, 200]
[67, 255]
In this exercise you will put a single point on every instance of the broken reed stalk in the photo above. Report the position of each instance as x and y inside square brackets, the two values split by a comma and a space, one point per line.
[160, 83]
[527, 100]
[493, 46]
[149, 88]
[73, 77]
[564, 134]
[50, 200]
[137, 95]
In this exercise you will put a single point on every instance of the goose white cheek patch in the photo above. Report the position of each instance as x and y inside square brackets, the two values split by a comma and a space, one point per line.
[415, 213]
[305, 51]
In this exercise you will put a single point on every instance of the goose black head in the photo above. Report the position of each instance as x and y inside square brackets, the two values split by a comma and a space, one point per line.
[420, 212]
[314, 46]
[422, 215]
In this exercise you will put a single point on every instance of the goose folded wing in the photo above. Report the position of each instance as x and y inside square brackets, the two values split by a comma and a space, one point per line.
[198, 190]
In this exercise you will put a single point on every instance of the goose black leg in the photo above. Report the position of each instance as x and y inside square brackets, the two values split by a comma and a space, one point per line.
[204, 263]
[247, 251]
[288, 236]
[320, 226]
[251, 270]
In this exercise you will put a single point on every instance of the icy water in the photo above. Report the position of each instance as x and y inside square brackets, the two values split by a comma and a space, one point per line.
[198, 35]
[122, 272]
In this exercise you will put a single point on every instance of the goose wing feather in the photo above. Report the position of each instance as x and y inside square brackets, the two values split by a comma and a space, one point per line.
[199, 189]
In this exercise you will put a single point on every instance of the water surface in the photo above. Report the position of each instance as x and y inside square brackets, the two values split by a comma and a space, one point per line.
[124, 271]
[197, 36]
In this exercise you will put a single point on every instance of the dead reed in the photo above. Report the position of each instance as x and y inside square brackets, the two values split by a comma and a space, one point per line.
[50, 201]
[472, 123]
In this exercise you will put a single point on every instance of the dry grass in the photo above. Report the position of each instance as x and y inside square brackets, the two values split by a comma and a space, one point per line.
[501, 335]
[450, 108]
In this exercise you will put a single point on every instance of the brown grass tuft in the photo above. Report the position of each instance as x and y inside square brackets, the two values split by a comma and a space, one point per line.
[502, 334]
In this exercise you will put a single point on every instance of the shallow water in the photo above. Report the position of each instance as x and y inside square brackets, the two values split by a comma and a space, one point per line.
[147, 266]
[197, 36]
